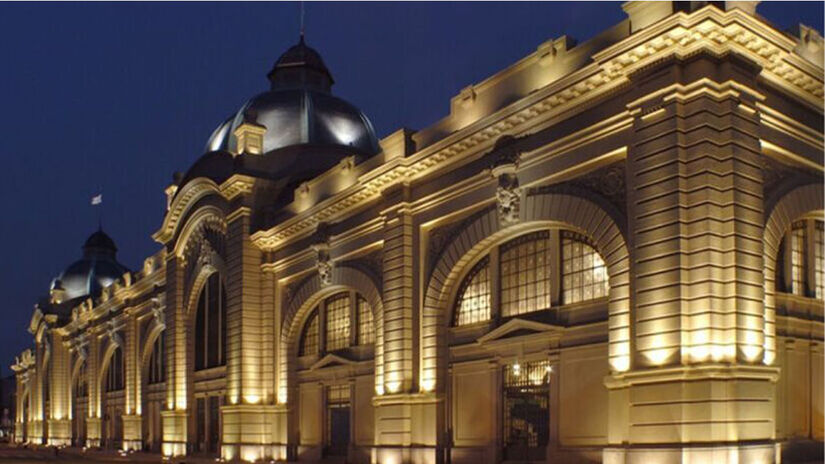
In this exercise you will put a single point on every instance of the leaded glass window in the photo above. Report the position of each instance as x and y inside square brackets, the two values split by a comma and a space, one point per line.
[798, 258]
[584, 274]
[366, 328]
[473, 303]
[525, 274]
[309, 339]
[338, 322]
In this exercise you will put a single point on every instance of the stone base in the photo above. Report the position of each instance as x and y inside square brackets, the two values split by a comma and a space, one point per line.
[132, 432]
[766, 453]
[408, 428]
[174, 433]
[60, 432]
[93, 429]
[248, 430]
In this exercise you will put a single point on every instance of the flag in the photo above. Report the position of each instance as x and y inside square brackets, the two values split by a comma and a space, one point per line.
[97, 199]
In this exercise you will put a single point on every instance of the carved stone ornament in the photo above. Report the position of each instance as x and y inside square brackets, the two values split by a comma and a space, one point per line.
[47, 346]
[114, 337]
[508, 193]
[207, 254]
[323, 263]
[158, 313]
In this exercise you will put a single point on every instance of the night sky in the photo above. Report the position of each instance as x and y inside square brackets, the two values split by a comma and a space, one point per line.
[116, 97]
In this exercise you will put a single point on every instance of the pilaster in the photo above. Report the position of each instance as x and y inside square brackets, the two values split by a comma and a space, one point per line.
[59, 422]
[174, 419]
[695, 214]
[132, 430]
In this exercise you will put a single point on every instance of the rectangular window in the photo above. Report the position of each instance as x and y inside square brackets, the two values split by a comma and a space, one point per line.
[525, 274]
[338, 322]
[584, 274]
[819, 256]
[366, 329]
[798, 258]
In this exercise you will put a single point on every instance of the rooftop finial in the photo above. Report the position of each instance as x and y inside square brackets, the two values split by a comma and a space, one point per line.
[302, 21]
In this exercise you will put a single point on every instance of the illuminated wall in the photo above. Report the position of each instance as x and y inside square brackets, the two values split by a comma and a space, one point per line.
[663, 164]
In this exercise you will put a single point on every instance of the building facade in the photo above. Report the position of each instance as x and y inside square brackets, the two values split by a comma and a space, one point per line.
[609, 251]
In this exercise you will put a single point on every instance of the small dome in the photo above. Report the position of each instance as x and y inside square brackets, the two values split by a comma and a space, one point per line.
[299, 109]
[97, 269]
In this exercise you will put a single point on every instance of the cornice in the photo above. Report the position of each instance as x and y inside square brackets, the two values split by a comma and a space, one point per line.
[679, 35]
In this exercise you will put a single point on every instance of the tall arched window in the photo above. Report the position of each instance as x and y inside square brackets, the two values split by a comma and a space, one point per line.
[210, 325]
[115, 372]
[800, 267]
[534, 272]
[347, 321]
[157, 365]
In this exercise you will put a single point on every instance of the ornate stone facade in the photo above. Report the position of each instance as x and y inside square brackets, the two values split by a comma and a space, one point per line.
[624, 264]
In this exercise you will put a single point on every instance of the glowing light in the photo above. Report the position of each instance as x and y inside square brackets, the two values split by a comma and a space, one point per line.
[620, 364]
[427, 385]
[516, 369]
[379, 389]
[251, 399]
[658, 357]
[393, 387]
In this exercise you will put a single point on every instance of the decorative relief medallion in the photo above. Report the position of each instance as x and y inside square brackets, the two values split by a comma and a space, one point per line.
[114, 337]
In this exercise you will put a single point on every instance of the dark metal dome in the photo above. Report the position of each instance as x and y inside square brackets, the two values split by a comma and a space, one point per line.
[299, 109]
[97, 269]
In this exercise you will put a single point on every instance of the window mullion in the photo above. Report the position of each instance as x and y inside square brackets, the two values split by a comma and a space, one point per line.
[810, 269]
[322, 328]
[495, 286]
[555, 268]
[354, 323]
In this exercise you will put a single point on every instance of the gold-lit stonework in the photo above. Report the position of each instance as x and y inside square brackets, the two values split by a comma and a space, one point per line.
[609, 251]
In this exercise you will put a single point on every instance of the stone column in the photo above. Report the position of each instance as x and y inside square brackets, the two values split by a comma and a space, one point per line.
[695, 215]
[248, 415]
[132, 424]
[408, 418]
[59, 421]
[93, 422]
[178, 385]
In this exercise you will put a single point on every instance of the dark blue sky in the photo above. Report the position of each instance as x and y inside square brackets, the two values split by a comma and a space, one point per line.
[119, 96]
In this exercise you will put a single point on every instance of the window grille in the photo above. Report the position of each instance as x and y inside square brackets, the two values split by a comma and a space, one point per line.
[473, 303]
[526, 410]
[525, 274]
[584, 274]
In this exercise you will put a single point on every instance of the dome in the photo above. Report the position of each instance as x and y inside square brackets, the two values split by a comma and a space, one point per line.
[299, 109]
[97, 269]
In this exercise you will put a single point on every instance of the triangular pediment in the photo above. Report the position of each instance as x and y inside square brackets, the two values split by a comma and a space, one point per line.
[331, 360]
[518, 328]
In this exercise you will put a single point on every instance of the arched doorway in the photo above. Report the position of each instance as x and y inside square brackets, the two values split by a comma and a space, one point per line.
[154, 390]
[209, 346]
[114, 400]
[80, 405]
[334, 375]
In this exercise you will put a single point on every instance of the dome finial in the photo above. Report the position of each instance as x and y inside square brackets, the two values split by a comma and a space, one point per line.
[302, 22]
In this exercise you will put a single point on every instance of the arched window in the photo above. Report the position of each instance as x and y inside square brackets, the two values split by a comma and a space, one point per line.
[800, 268]
[210, 325]
[473, 303]
[157, 365]
[309, 339]
[341, 314]
[535, 271]
[115, 372]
